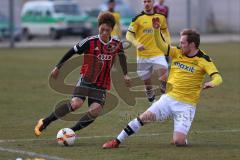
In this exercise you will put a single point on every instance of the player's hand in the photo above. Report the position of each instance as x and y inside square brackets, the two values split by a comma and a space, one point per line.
[140, 47]
[156, 23]
[55, 73]
[127, 80]
[208, 85]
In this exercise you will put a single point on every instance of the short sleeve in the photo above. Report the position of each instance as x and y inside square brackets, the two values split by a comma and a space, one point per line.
[133, 27]
[82, 46]
[210, 68]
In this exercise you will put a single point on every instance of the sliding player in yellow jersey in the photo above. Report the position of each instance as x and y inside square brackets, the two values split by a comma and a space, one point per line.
[188, 68]
[149, 57]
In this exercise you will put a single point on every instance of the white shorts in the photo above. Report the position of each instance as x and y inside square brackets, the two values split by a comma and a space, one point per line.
[146, 66]
[182, 113]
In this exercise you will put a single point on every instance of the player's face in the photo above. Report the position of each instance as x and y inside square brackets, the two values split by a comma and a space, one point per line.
[111, 6]
[161, 2]
[186, 48]
[105, 32]
[148, 5]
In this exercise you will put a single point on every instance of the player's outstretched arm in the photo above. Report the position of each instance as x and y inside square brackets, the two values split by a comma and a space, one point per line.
[216, 81]
[165, 31]
[56, 70]
[160, 42]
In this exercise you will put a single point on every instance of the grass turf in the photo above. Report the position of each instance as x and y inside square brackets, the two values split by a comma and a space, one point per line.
[26, 97]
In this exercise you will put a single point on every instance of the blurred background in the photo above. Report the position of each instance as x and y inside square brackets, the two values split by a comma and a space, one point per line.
[77, 18]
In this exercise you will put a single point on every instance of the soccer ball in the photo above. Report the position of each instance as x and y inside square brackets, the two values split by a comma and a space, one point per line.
[66, 137]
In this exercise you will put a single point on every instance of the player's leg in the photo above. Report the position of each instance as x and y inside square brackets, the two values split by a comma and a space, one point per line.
[59, 112]
[158, 111]
[160, 67]
[183, 115]
[96, 101]
[94, 111]
[144, 71]
[63, 109]
[150, 93]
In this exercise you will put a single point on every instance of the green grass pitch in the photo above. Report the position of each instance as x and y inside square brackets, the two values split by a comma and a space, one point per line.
[26, 97]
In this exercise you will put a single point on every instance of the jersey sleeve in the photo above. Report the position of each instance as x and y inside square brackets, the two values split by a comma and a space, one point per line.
[82, 46]
[210, 67]
[163, 22]
[163, 45]
[133, 26]
[173, 51]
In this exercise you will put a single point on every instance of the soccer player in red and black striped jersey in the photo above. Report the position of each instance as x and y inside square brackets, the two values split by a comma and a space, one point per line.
[99, 53]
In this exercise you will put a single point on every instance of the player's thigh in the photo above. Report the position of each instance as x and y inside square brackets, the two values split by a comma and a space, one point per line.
[81, 89]
[161, 108]
[183, 115]
[144, 68]
[160, 65]
[96, 100]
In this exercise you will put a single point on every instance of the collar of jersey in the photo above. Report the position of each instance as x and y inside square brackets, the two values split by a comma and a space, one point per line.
[103, 41]
[147, 14]
[197, 54]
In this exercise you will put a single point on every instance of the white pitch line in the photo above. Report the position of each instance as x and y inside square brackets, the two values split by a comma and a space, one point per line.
[111, 136]
[32, 154]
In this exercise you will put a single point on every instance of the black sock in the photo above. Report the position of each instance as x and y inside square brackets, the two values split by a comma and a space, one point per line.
[162, 86]
[118, 141]
[84, 121]
[151, 99]
[59, 112]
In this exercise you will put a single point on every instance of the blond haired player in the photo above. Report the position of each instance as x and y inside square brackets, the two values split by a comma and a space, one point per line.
[188, 68]
[149, 57]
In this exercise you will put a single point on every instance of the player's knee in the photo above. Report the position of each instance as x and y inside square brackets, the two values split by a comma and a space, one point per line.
[147, 117]
[179, 139]
[76, 103]
[180, 142]
[95, 110]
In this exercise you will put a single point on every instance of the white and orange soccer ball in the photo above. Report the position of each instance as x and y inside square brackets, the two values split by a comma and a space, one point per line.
[66, 137]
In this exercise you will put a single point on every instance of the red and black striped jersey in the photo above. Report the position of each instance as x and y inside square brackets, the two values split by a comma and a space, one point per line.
[98, 59]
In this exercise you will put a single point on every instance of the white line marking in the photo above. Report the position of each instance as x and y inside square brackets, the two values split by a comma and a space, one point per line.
[112, 136]
[32, 154]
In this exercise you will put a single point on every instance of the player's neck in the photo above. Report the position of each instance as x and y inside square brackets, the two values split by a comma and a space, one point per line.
[111, 10]
[193, 52]
[149, 11]
[104, 40]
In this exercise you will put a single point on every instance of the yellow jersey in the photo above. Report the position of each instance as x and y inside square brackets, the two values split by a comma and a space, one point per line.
[116, 32]
[142, 28]
[187, 75]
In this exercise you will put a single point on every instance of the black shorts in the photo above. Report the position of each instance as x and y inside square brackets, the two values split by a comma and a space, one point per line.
[94, 93]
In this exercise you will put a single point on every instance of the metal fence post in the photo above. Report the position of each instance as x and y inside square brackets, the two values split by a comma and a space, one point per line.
[11, 23]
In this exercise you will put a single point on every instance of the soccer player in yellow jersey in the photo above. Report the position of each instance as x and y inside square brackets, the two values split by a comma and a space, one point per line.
[188, 68]
[116, 32]
[149, 57]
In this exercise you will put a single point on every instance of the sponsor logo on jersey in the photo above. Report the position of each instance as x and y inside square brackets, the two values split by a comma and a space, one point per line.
[184, 67]
[150, 30]
[104, 57]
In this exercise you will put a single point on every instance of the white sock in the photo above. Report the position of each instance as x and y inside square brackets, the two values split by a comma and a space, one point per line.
[132, 127]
